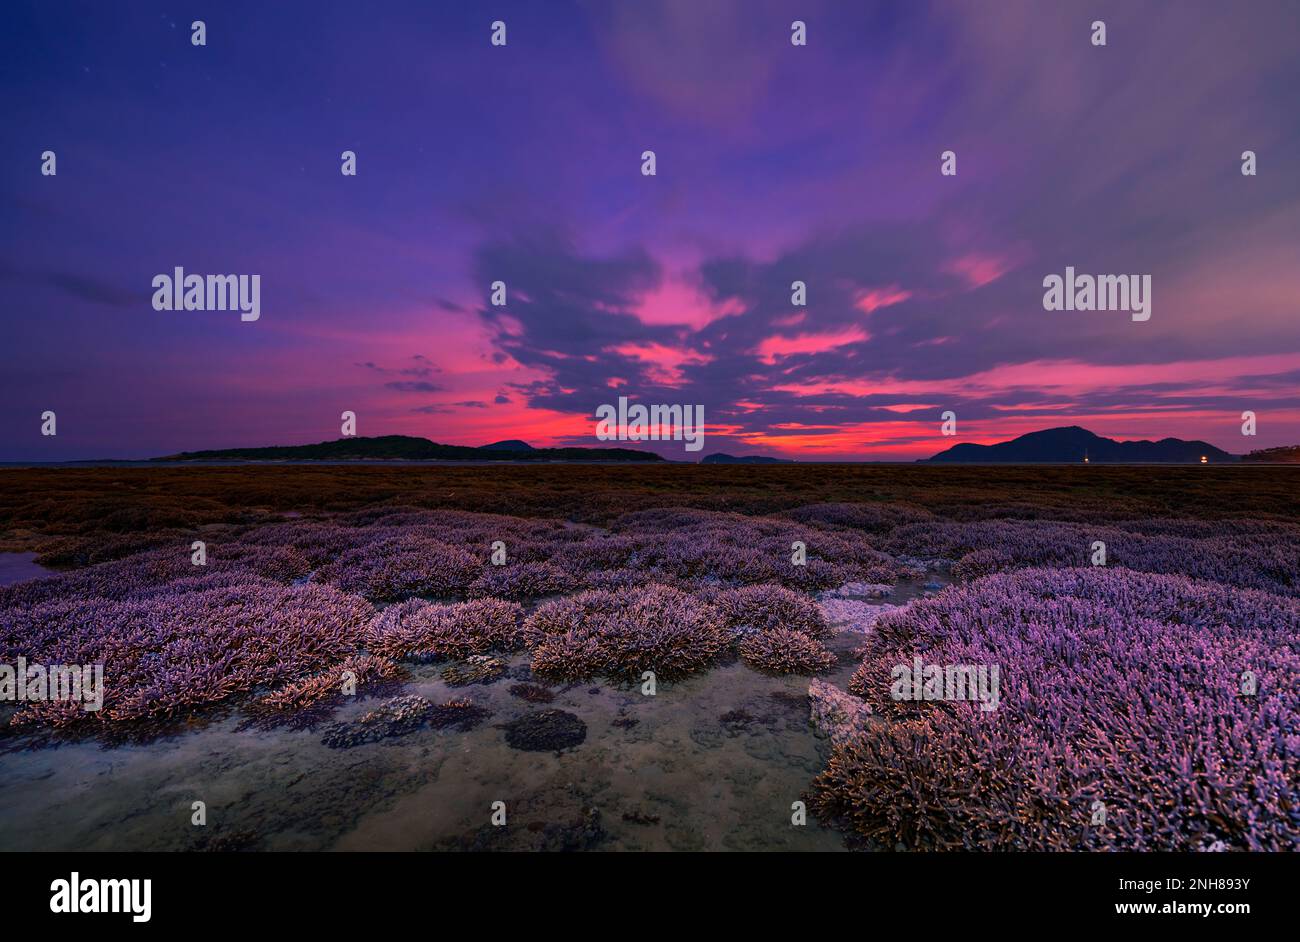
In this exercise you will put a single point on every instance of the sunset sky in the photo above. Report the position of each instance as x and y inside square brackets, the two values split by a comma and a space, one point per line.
[523, 164]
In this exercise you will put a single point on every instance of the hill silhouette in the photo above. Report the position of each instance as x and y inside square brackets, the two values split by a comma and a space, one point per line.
[1071, 444]
[1283, 454]
[721, 458]
[410, 448]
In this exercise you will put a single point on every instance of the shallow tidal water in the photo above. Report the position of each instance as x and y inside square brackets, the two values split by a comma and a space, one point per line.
[19, 567]
[710, 763]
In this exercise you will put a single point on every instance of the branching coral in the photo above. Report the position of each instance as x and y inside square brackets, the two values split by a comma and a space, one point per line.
[523, 581]
[785, 651]
[1116, 687]
[428, 631]
[762, 607]
[622, 634]
[399, 567]
[170, 654]
[329, 685]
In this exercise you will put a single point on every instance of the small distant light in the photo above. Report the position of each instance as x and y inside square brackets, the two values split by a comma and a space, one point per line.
[1204, 460]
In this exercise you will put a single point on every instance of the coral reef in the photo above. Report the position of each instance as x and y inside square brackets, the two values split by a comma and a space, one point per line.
[168, 655]
[533, 693]
[785, 651]
[1120, 684]
[401, 716]
[762, 607]
[400, 566]
[1115, 687]
[327, 686]
[655, 628]
[841, 717]
[476, 669]
[1247, 557]
[546, 731]
[420, 630]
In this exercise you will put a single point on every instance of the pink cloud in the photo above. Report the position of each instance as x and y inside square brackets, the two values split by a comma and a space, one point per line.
[777, 346]
[663, 363]
[979, 269]
[875, 298]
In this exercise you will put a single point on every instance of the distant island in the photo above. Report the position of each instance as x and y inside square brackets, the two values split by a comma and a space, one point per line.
[1284, 454]
[1074, 445]
[1067, 445]
[721, 458]
[410, 448]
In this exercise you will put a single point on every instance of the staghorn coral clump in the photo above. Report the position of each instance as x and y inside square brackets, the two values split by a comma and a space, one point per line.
[328, 685]
[602, 553]
[278, 563]
[1115, 686]
[419, 630]
[521, 581]
[533, 693]
[877, 517]
[622, 634]
[150, 572]
[319, 542]
[1265, 558]
[169, 655]
[401, 566]
[220, 579]
[101, 547]
[699, 548]
[759, 608]
[545, 731]
[785, 651]
[623, 579]
[477, 669]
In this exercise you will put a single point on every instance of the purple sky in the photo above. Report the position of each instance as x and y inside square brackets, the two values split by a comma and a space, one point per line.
[522, 163]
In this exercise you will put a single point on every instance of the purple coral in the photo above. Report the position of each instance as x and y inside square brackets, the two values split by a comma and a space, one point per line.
[1266, 559]
[1115, 687]
[167, 655]
[399, 567]
[785, 651]
[364, 669]
[622, 634]
[523, 581]
[428, 631]
[709, 548]
[761, 607]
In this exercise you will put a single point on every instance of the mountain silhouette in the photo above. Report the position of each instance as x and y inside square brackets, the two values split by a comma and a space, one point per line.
[1283, 454]
[721, 458]
[410, 448]
[1072, 444]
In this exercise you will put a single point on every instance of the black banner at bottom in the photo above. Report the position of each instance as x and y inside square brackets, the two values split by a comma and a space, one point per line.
[335, 891]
